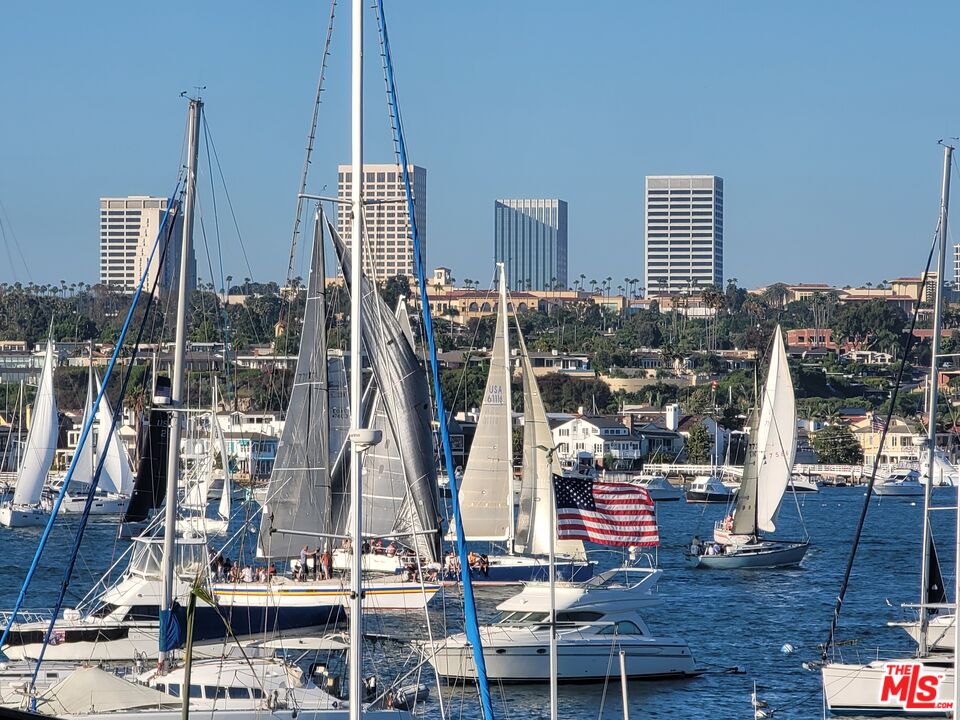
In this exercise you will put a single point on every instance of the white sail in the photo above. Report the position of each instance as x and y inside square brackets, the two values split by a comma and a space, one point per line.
[225, 508]
[86, 462]
[41, 439]
[540, 464]
[776, 436]
[117, 474]
[486, 490]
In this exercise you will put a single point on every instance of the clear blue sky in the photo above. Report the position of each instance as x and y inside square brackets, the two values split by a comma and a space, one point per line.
[822, 117]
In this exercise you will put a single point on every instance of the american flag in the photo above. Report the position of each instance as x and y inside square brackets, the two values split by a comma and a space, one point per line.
[607, 513]
[877, 423]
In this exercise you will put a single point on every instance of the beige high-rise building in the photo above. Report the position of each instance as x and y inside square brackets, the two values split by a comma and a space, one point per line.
[128, 232]
[388, 245]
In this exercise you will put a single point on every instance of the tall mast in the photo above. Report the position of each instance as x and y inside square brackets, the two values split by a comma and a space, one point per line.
[932, 397]
[504, 316]
[553, 598]
[176, 390]
[91, 409]
[356, 278]
[322, 338]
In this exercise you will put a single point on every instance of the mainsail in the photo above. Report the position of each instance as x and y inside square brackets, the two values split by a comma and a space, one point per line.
[540, 464]
[150, 483]
[298, 494]
[41, 438]
[486, 489]
[403, 389]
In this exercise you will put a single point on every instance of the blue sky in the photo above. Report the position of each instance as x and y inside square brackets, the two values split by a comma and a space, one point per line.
[822, 117]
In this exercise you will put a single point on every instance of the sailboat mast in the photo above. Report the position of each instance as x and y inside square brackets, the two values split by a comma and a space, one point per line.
[554, 669]
[932, 401]
[176, 390]
[90, 408]
[356, 283]
[508, 400]
[322, 340]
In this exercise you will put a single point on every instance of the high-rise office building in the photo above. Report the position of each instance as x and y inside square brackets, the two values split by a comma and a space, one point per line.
[530, 239]
[388, 244]
[683, 233]
[128, 232]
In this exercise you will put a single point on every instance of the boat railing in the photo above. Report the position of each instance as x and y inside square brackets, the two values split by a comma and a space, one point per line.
[26, 616]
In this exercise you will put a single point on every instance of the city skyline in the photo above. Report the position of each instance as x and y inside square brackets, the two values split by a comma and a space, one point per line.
[831, 130]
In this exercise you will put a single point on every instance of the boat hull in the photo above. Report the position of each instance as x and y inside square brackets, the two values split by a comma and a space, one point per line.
[580, 662]
[858, 689]
[697, 496]
[750, 557]
[517, 569]
[940, 632]
[389, 593]
[894, 490]
[15, 516]
[103, 504]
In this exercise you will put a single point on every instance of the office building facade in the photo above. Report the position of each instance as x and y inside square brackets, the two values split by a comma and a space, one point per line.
[683, 233]
[530, 238]
[388, 245]
[128, 232]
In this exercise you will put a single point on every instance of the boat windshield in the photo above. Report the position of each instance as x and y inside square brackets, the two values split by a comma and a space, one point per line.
[147, 559]
[520, 618]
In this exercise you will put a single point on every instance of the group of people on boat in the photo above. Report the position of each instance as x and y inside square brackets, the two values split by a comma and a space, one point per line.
[223, 569]
[699, 547]
[479, 563]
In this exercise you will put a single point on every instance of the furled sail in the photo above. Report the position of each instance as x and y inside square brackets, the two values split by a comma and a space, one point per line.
[539, 467]
[406, 398]
[150, 483]
[41, 438]
[86, 463]
[486, 489]
[776, 436]
[298, 495]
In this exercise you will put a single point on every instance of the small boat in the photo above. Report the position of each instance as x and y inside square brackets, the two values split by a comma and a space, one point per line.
[857, 689]
[902, 482]
[659, 488]
[594, 619]
[708, 489]
[740, 540]
[804, 484]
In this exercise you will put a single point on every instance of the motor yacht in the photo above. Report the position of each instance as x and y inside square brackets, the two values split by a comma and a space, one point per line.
[709, 489]
[595, 619]
[901, 482]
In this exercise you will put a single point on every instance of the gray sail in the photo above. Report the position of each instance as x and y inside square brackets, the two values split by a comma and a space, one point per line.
[403, 386]
[298, 495]
[745, 514]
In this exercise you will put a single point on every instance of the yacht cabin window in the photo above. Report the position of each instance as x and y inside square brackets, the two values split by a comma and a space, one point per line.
[622, 627]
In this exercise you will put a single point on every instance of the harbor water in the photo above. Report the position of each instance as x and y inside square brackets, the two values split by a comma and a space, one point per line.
[741, 625]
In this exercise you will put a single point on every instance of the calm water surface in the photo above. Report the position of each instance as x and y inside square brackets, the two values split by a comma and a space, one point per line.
[732, 619]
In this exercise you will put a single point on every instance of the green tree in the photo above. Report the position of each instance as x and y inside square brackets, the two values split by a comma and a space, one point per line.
[698, 445]
[835, 444]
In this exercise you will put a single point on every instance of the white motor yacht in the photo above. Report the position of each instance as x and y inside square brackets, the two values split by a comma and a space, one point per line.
[901, 482]
[595, 619]
[804, 483]
[659, 488]
[709, 489]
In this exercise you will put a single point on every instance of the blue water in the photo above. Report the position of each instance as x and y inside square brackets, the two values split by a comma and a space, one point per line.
[730, 619]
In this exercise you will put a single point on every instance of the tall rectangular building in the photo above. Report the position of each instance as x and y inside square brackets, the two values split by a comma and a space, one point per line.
[530, 239]
[128, 232]
[683, 233]
[388, 245]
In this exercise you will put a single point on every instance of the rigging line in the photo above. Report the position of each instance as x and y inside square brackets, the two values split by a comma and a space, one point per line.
[311, 138]
[876, 461]
[16, 242]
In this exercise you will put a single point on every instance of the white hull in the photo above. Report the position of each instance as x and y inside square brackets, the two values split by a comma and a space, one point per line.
[940, 632]
[526, 659]
[859, 689]
[14, 516]
[103, 504]
[898, 490]
[385, 594]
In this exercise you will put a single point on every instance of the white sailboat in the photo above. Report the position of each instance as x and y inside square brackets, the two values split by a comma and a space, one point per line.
[112, 495]
[767, 467]
[24, 509]
[487, 486]
[198, 492]
[923, 683]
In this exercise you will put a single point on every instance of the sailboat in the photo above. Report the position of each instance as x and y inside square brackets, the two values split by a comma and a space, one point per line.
[25, 509]
[923, 683]
[199, 490]
[487, 486]
[307, 502]
[116, 478]
[766, 474]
